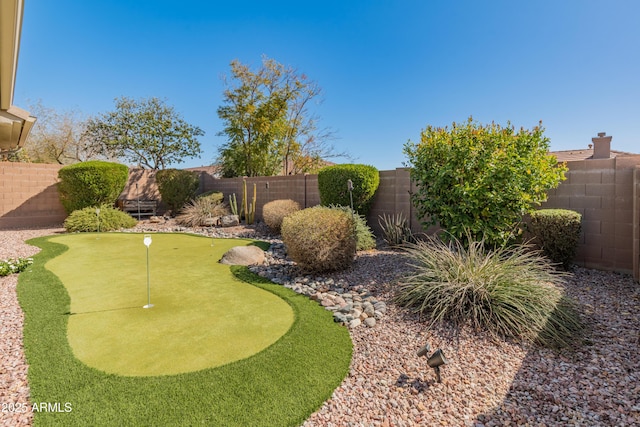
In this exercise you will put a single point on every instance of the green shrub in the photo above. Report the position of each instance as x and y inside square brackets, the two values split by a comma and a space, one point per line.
[177, 187]
[91, 183]
[332, 185]
[88, 220]
[395, 229]
[365, 239]
[202, 209]
[275, 211]
[511, 292]
[320, 239]
[481, 179]
[556, 232]
[215, 196]
[11, 266]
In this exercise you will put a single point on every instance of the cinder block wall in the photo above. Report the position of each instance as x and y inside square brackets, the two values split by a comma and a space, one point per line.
[29, 195]
[301, 188]
[605, 193]
[392, 197]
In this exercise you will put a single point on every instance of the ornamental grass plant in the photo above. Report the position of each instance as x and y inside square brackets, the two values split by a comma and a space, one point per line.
[200, 210]
[510, 292]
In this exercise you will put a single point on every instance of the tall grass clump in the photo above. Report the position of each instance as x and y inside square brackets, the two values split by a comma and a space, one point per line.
[511, 292]
[201, 210]
[395, 230]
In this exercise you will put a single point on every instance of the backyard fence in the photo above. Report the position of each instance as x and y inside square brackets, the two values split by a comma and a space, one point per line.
[605, 191]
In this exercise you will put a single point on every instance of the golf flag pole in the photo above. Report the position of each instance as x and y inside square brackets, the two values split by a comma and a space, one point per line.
[147, 243]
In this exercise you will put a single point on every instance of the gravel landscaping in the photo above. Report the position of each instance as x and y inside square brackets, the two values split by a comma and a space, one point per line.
[485, 383]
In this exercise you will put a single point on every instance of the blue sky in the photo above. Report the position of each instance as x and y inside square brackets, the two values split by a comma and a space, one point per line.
[387, 68]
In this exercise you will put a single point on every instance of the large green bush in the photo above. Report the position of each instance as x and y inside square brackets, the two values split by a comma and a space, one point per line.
[275, 211]
[509, 292]
[88, 220]
[481, 178]
[320, 239]
[177, 187]
[556, 232]
[332, 185]
[91, 183]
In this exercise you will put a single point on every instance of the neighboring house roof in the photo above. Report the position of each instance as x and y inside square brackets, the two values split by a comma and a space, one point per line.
[214, 170]
[583, 154]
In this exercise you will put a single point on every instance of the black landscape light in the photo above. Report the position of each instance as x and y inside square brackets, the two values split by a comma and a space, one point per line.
[424, 350]
[434, 361]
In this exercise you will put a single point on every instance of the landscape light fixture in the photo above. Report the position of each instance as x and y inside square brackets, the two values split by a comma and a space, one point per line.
[424, 350]
[147, 243]
[350, 189]
[434, 361]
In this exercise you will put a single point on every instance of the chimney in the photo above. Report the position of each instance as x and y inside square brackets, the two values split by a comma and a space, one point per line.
[601, 146]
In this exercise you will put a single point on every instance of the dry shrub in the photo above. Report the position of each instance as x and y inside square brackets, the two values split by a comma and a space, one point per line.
[198, 211]
[320, 239]
[274, 212]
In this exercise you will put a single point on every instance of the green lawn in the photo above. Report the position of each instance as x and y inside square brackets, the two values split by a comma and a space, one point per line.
[201, 311]
[300, 354]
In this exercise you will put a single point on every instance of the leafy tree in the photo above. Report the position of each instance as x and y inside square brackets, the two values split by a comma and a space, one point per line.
[477, 181]
[147, 132]
[57, 137]
[267, 122]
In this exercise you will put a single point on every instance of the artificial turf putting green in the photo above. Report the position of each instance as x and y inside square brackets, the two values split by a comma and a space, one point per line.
[201, 311]
[278, 386]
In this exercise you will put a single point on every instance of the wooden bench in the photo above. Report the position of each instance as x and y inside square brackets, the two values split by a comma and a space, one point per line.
[138, 208]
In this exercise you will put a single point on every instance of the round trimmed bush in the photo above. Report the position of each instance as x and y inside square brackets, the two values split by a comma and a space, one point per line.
[88, 220]
[332, 185]
[177, 187]
[275, 211]
[320, 239]
[91, 183]
[557, 233]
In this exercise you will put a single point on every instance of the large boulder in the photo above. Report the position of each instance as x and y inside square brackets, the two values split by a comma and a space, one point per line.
[230, 221]
[243, 255]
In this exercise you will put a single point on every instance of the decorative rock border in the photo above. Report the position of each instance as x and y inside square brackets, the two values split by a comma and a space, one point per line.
[351, 305]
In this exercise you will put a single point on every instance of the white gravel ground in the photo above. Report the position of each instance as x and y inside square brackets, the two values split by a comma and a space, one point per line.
[485, 383]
